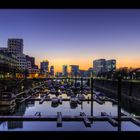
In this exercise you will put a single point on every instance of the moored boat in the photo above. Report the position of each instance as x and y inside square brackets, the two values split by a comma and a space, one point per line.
[7, 99]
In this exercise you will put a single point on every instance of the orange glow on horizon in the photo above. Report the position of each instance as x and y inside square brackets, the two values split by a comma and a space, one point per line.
[86, 64]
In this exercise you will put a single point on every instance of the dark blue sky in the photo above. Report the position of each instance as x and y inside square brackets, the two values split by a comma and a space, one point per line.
[75, 36]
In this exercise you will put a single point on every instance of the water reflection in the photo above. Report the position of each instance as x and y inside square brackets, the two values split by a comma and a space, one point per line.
[47, 108]
[6, 110]
[131, 106]
[90, 108]
[73, 105]
[14, 124]
[67, 126]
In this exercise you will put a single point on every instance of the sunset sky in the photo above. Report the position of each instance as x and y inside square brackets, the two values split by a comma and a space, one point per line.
[75, 36]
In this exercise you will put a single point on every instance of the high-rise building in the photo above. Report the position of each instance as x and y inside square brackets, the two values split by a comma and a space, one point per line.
[102, 65]
[111, 65]
[35, 71]
[64, 71]
[25, 63]
[52, 70]
[44, 67]
[8, 64]
[31, 59]
[31, 67]
[15, 45]
[22, 63]
[30, 63]
[99, 65]
[74, 70]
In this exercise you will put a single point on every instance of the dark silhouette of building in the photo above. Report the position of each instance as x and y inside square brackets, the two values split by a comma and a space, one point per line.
[8, 64]
[64, 71]
[15, 45]
[74, 70]
[44, 67]
[52, 70]
[102, 66]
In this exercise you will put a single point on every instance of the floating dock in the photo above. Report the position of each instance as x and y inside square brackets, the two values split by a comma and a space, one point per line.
[98, 101]
[85, 119]
[110, 119]
[42, 100]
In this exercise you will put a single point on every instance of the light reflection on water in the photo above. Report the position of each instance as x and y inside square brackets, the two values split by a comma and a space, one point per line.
[47, 109]
[51, 126]
[31, 107]
[66, 126]
[129, 126]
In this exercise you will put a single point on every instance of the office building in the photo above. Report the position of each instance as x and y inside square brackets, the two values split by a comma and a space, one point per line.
[111, 65]
[8, 64]
[99, 65]
[31, 59]
[74, 70]
[22, 63]
[44, 67]
[102, 65]
[64, 71]
[52, 71]
[15, 45]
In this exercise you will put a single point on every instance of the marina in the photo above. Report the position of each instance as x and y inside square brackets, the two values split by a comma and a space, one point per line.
[65, 103]
[61, 72]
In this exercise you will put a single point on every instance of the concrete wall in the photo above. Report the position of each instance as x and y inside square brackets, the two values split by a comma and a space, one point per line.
[131, 89]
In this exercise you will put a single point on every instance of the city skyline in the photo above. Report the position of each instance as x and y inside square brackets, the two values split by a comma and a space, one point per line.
[75, 37]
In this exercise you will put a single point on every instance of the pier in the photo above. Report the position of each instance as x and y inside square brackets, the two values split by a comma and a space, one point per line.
[98, 101]
[42, 100]
[60, 117]
[110, 119]
[85, 119]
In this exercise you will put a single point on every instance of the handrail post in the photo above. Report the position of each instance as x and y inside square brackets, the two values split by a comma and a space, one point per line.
[91, 86]
[119, 103]
[82, 84]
